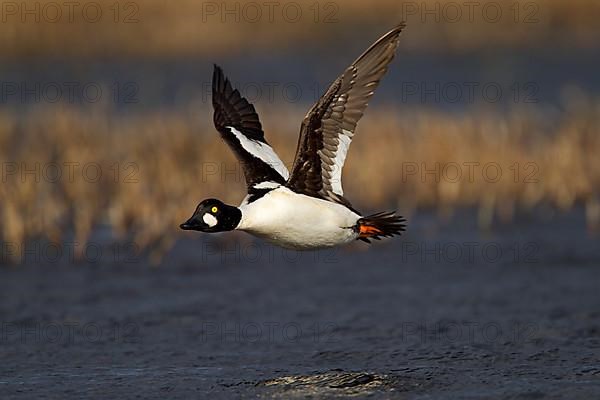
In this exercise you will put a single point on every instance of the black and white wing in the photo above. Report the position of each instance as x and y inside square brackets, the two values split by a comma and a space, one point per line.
[328, 128]
[237, 122]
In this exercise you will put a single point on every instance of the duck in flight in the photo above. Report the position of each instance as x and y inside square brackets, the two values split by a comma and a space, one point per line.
[304, 209]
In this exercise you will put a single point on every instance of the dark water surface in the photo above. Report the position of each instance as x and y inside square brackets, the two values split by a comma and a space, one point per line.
[409, 318]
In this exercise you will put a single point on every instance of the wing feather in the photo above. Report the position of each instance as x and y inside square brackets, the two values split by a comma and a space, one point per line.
[238, 123]
[329, 126]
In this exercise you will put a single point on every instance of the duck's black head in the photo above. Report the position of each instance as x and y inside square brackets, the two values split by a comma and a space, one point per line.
[213, 215]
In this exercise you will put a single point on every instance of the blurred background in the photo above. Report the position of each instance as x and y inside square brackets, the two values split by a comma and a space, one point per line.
[484, 133]
[106, 121]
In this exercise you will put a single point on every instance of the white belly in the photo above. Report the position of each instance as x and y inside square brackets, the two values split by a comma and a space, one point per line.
[296, 221]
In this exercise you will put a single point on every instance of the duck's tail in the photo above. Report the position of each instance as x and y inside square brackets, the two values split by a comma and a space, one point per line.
[383, 224]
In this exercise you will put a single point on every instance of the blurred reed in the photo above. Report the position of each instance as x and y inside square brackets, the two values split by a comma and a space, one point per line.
[157, 28]
[156, 166]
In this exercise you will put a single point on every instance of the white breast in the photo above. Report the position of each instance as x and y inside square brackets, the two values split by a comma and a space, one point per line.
[298, 221]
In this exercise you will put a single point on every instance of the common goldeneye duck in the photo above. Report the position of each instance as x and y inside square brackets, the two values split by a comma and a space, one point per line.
[213, 215]
[304, 209]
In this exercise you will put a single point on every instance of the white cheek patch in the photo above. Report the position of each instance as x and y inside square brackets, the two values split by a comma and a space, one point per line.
[209, 219]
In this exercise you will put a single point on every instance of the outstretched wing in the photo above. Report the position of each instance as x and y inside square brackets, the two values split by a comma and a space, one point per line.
[237, 122]
[328, 128]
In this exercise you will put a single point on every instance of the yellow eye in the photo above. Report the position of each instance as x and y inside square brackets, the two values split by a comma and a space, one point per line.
[214, 210]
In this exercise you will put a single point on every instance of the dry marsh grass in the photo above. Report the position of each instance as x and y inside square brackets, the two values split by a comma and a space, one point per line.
[156, 28]
[156, 166]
